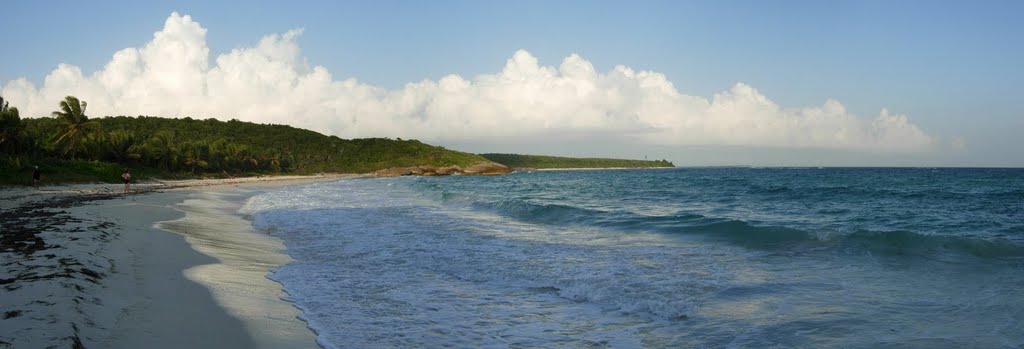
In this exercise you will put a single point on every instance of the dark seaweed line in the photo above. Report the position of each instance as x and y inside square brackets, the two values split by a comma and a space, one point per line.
[20, 238]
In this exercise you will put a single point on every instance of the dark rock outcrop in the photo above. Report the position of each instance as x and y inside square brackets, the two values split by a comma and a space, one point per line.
[484, 168]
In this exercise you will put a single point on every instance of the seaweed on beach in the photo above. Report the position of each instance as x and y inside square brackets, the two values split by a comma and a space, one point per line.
[22, 225]
[32, 244]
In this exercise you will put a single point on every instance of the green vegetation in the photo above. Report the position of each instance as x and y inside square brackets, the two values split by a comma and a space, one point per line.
[12, 132]
[547, 162]
[77, 128]
[71, 147]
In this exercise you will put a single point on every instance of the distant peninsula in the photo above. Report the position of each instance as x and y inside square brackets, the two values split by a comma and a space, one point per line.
[542, 162]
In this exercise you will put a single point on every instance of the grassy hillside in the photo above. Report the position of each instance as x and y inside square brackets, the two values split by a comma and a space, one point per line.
[551, 162]
[156, 147]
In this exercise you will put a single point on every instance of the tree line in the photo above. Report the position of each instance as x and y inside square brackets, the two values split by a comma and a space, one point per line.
[192, 147]
[70, 134]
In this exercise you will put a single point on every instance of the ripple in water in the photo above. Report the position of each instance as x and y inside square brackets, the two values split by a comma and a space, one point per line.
[673, 258]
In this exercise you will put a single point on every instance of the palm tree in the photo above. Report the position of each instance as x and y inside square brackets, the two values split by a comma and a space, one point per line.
[273, 161]
[216, 155]
[161, 147]
[12, 131]
[195, 154]
[77, 126]
[121, 146]
[240, 156]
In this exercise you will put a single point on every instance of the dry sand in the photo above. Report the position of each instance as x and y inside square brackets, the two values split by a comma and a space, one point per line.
[85, 266]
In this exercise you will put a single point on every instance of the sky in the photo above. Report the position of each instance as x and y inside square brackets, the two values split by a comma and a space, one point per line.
[763, 83]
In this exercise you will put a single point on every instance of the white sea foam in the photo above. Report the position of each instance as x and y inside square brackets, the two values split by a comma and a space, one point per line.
[634, 259]
[378, 264]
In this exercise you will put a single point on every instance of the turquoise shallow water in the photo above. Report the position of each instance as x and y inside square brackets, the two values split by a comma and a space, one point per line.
[714, 257]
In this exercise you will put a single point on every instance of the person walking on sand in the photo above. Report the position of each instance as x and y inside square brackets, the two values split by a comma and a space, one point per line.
[127, 176]
[35, 177]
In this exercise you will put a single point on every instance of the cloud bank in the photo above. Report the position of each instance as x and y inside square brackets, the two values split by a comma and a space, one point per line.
[172, 75]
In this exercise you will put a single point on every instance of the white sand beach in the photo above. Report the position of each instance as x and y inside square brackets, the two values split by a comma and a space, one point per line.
[170, 265]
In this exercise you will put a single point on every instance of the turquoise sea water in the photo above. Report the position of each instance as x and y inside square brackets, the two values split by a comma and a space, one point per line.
[705, 257]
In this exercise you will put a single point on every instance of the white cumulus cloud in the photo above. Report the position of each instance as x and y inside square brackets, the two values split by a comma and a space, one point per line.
[173, 75]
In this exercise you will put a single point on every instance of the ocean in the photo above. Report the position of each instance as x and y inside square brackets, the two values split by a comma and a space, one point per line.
[685, 257]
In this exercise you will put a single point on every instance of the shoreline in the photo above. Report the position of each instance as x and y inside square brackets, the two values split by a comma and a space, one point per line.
[87, 266]
[238, 280]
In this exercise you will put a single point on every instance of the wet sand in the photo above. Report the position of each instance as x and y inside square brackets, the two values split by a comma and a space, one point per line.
[87, 266]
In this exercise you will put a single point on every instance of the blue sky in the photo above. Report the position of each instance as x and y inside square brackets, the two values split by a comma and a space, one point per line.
[952, 68]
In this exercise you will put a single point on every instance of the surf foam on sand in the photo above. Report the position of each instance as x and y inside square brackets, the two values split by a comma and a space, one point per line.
[84, 266]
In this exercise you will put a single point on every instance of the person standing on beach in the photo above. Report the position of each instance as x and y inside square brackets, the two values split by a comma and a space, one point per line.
[127, 176]
[35, 177]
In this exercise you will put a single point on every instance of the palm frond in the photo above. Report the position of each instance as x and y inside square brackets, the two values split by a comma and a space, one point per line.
[74, 104]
